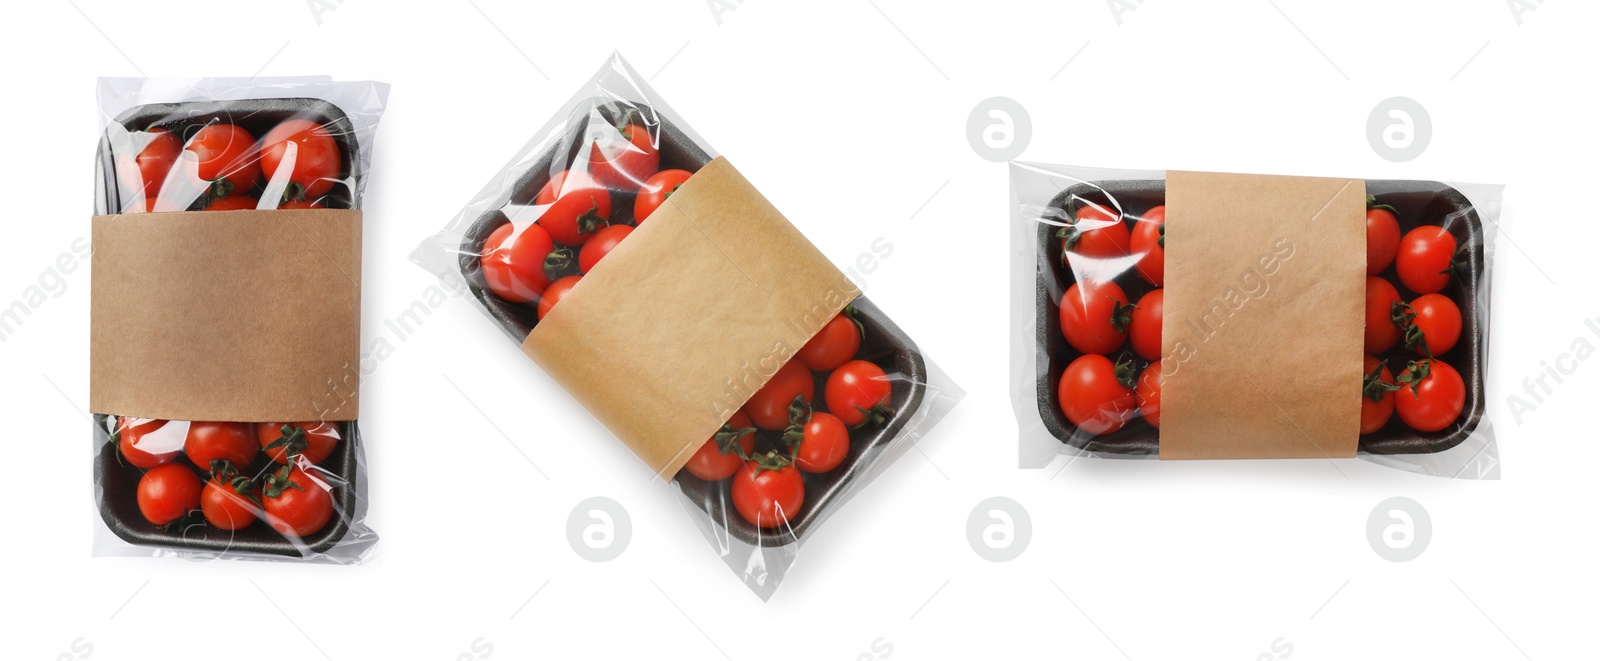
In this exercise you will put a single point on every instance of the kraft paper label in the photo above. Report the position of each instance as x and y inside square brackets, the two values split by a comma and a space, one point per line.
[688, 317]
[1263, 316]
[244, 316]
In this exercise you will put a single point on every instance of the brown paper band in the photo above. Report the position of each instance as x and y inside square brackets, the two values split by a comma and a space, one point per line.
[682, 322]
[1263, 314]
[247, 316]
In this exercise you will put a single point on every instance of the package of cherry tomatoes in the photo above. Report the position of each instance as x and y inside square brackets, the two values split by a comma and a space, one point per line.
[1194, 315]
[615, 245]
[225, 317]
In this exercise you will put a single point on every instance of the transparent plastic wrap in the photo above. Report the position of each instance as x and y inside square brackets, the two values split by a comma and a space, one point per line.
[1087, 293]
[799, 427]
[287, 489]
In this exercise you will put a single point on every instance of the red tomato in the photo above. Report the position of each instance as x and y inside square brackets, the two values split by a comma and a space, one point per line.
[834, 345]
[1425, 259]
[312, 440]
[167, 492]
[213, 441]
[226, 156]
[858, 393]
[513, 262]
[769, 407]
[624, 157]
[296, 504]
[156, 160]
[1148, 390]
[823, 442]
[1383, 236]
[234, 203]
[1381, 333]
[1095, 316]
[311, 153]
[1093, 232]
[229, 501]
[1097, 395]
[1149, 245]
[656, 190]
[555, 292]
[133, 433]
[1145, 325]
[1431, 324]
[1431, 395]
[576, 206]
[768, 491]
[1377, 395]
[601, 244]
[722, 454]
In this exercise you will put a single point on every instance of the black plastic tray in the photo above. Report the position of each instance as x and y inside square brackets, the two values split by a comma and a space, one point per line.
[118, 481]
[1416, 203]
[119, 505]
[884, 344]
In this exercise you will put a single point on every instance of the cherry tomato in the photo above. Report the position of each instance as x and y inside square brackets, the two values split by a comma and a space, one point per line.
[834, 345]
[1431, 324]
[167, 492]
[601, 244]
[211, 441]
[296, 504]
[1095, 316]
[1093, 232]
[1145, 326]
[1377, 395]
[514, 260]
[156, 160]
[312, 440]
[1383, 236]
[1148, 391]
[768, 491]
[134, 440]
[555, 292]
[769, 407]
[234, 203]
[624, 157]
[823, 443]
[1381, 333]
[576, 207]
[229, 501]
[858, 393]
[719, 458]
[1149, 245]
[226, 156]
[1097, 395]
[1424, 261]
[314, 161]
[656, 190]
[1431, 395]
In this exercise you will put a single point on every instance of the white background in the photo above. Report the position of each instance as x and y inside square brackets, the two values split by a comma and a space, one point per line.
[850, 115]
